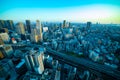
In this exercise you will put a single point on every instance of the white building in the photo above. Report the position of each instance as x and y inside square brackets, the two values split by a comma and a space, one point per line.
[93, 55]
[34, 61]
[5, 37]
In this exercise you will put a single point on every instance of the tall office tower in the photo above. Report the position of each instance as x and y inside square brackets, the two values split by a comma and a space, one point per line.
[38, 24]
[39, 30]
[20, 28]
[28, 26]
[38, 60]
[64, 24]
[2, 24]
[10, 24]
[34, 36]
[27, 61]
[34, 61]
[88, 25]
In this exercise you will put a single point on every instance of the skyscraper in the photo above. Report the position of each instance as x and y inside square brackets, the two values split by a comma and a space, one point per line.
[69, 24]
[34, 36]
[34, 61]
[28, 26]
[38, 60]
[88, 25]
[39, 30]
[20, 28]
[64, 24]
[27, 62]
[10, 24]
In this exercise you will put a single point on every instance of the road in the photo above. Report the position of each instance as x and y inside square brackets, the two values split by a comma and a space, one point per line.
[74, 61]
[78, 62]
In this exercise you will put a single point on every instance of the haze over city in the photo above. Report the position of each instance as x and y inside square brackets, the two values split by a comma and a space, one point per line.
[72, 10]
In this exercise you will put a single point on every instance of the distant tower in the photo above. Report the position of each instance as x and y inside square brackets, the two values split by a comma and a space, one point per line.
[20, 28]
[89, 24]
[38, 24]
[39, 30]
[69, 24]
[10, 24]
[28, 26]
[64, 24]
[34, 61]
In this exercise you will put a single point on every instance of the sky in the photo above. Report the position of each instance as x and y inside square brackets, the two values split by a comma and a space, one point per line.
[103, 11]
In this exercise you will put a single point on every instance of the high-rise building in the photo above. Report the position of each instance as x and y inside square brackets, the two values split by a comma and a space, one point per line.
[38, 24]
[34, 36]
[20, 28]
[28, 64]
[28, 25]
[89, 24]
[69, 24]
[64, 24]
[10, 24]
[34, 61]
[39, 30]
[38, 60]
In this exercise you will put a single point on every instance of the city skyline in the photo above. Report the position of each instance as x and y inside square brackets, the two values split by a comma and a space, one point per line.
[75, 11]
[59, 51]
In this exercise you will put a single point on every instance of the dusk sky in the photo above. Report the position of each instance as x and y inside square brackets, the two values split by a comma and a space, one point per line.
[103, 11]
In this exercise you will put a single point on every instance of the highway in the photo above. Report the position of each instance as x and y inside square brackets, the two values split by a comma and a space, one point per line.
[77, 62]
[81, 62]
